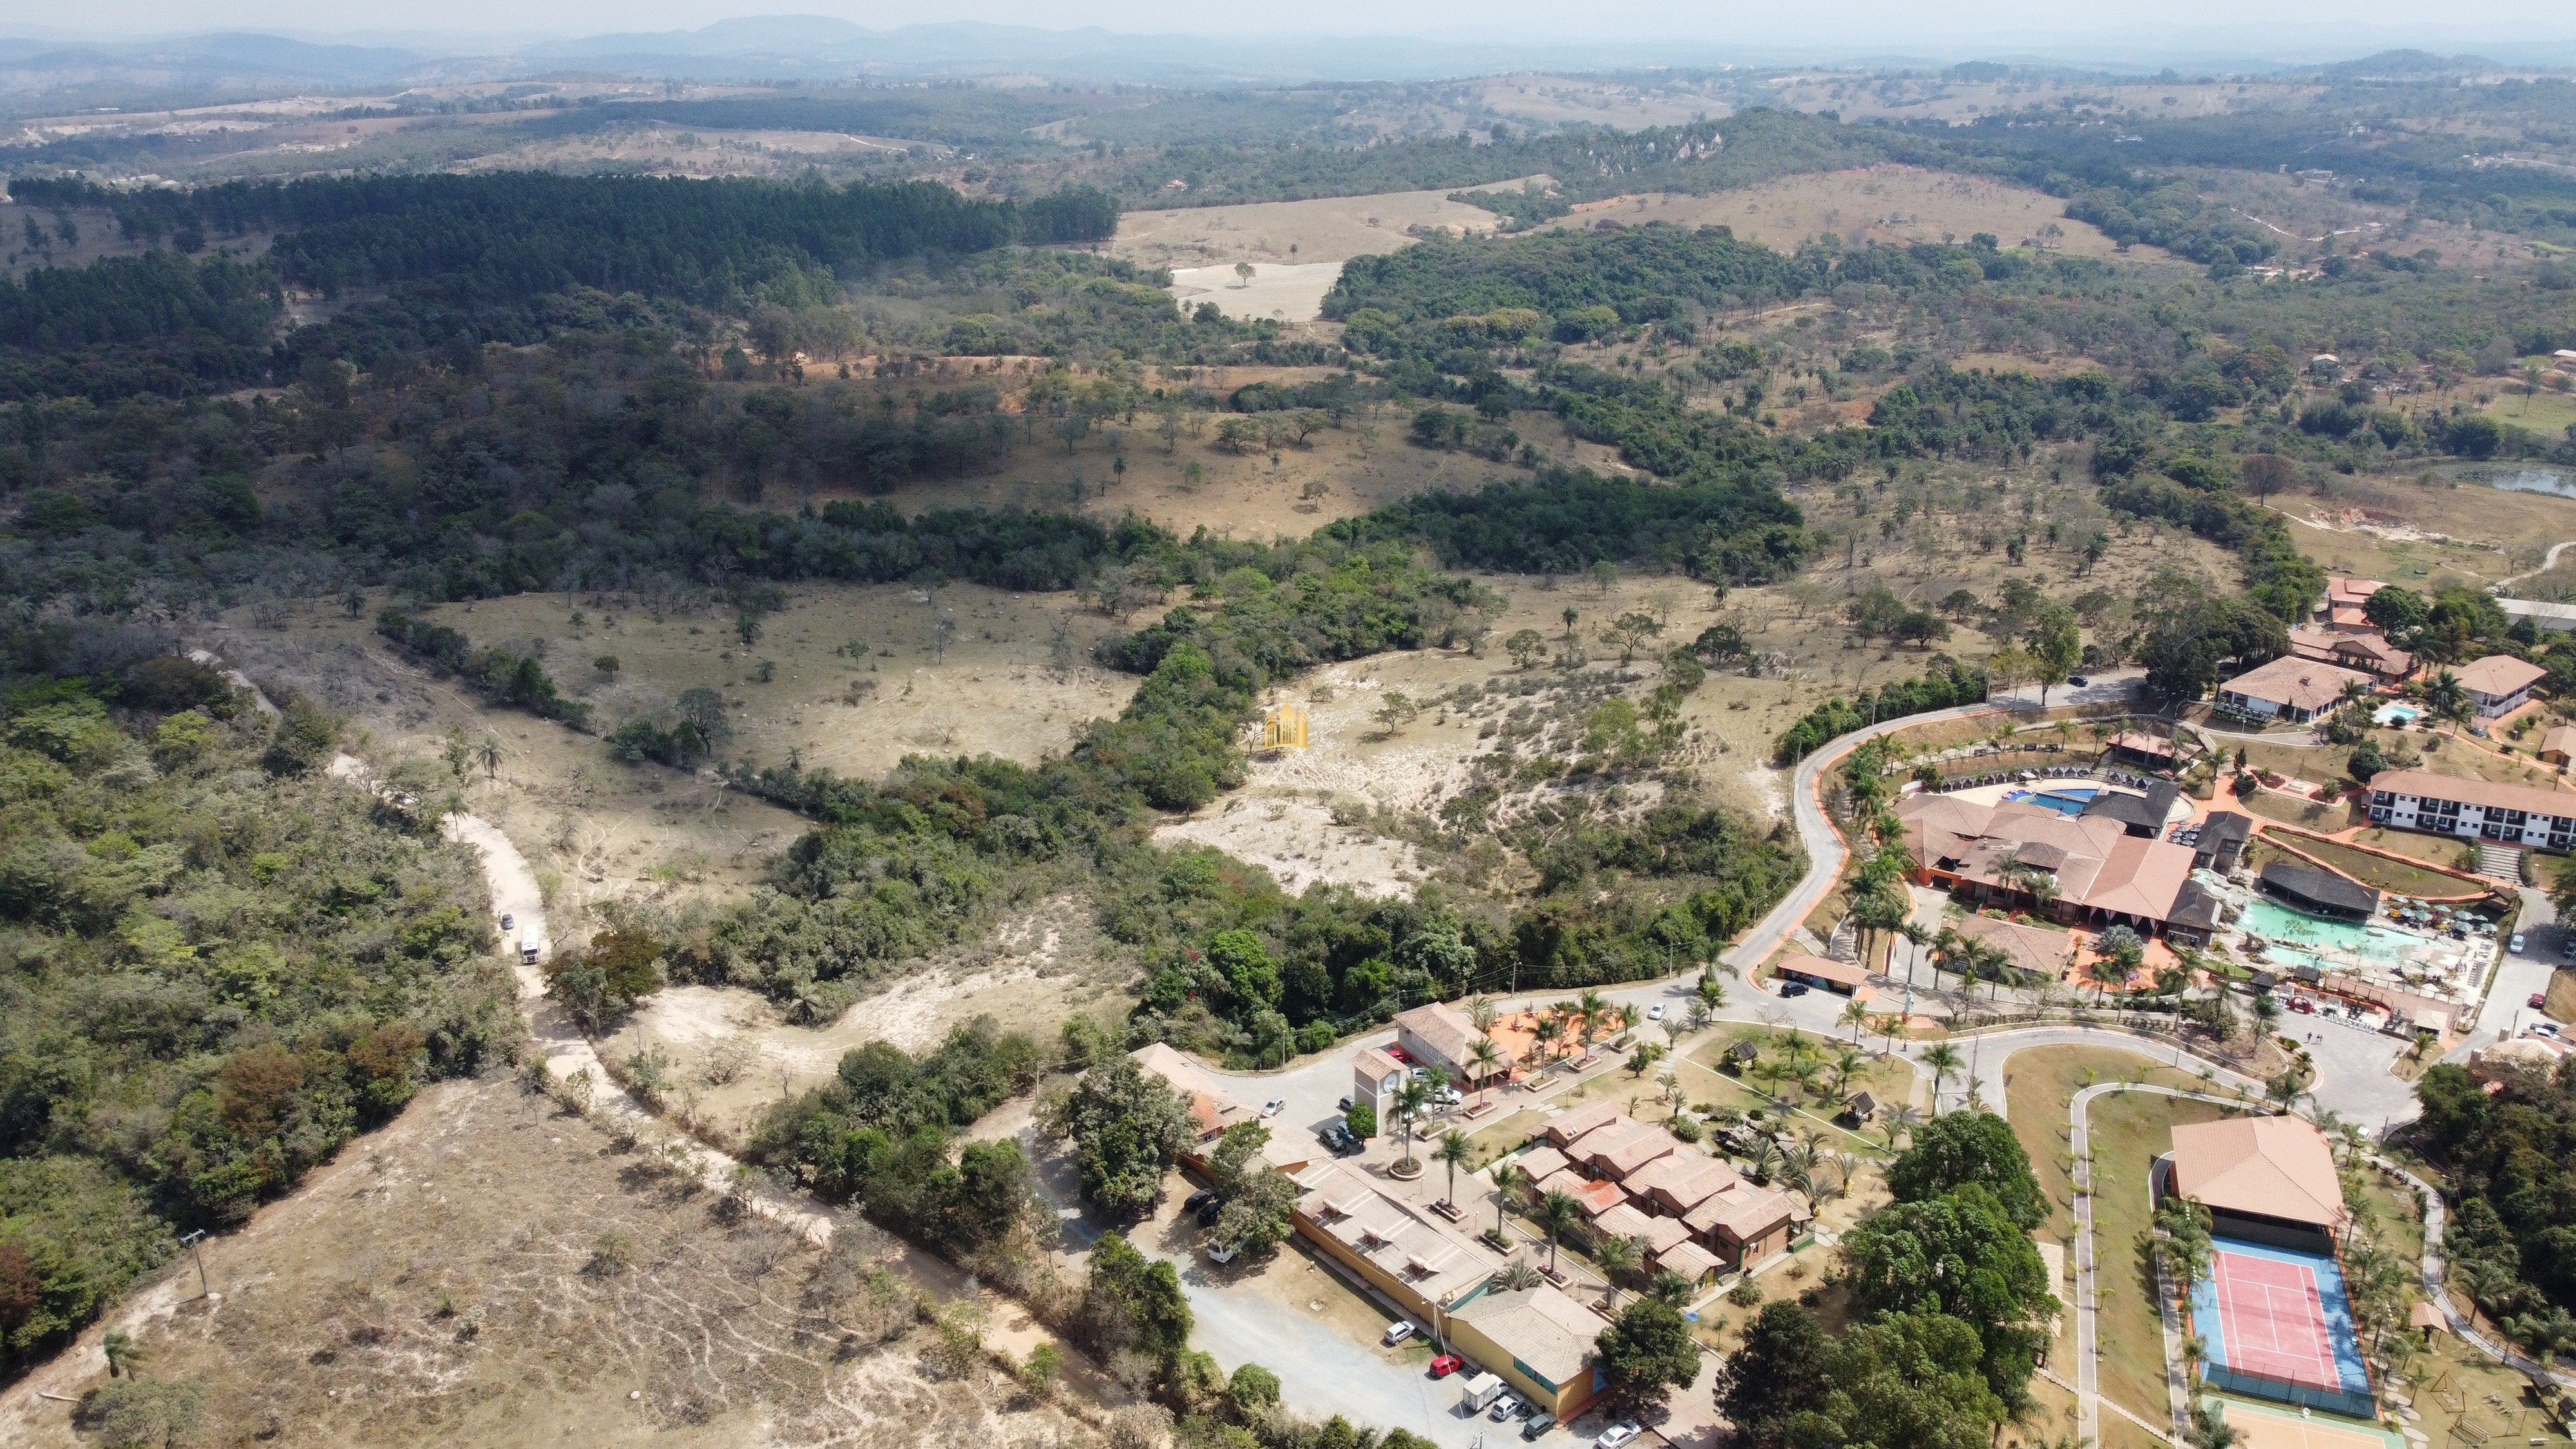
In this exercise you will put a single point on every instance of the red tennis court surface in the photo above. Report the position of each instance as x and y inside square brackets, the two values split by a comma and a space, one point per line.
[2273, 1319]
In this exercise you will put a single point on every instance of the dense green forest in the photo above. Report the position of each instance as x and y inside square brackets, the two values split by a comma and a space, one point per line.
[2512, 1234]
[219, 966]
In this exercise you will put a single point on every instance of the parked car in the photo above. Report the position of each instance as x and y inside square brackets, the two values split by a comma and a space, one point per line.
[1451, 1096]
[1221, 1255]
[1507, 1408]
[1446, 1364]
[508, 921]
[1793, 988]
[2515, 945]
[1198, 1199]
[1208, 1211]
[2078, 680]
[1616, 1435]
[1419, 1074]
[1655, 1012]
[1271, 1108]
[2302, 1005]
[2567, 949]
[1538, 1424]
[2538, 1000]
[1397, 1332]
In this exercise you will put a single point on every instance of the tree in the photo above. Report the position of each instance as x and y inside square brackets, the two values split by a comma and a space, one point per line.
[1454, 1149]
[1259, 1215]
[2266, 473]
[2055, 644]
[1778, 1372]
[1909, 1379]
[1127, 1127]
[704, 709]
[1618, 1257]
[1960, 1253]
[1855, 1014]
[1943, 1059]
[490, 753]
[1967, 1147]
[1526, 646]
[122, 1352]
[1645, 1355]
[2122, 948]
[1558, 1212]
[1486, 1056]
[1412, 1100]
[2397, 610]
[1508, 1179]
[606, 978]
[1252, 1393]
[1133, 1303]
[1361, 1118]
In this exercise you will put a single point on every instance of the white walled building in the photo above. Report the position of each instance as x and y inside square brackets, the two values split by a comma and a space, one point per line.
[2474, 809]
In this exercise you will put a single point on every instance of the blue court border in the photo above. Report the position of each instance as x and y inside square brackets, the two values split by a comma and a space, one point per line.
[2206, 1322]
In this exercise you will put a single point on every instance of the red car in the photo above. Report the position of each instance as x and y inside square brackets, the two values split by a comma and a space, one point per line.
[2538, 1000]
[2302, 1005]
[1446, 1364]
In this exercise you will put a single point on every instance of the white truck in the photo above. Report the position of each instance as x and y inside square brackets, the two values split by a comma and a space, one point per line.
[1481, 1390]
[529, 946]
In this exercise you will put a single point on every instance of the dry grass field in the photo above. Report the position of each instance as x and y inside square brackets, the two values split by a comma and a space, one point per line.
[1332, 229]
[1895, 204]
[1859, 97]
[2381, 527]
[490, 1271]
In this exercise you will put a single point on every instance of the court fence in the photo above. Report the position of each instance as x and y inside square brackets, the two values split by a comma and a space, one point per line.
[2289, 1391]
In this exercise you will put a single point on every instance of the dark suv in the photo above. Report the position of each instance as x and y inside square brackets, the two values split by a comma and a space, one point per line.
[1341, 1140]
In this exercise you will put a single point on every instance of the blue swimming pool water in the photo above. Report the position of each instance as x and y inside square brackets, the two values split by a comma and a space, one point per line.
[2065, 800]
[2401, 714]
[2330, 1293]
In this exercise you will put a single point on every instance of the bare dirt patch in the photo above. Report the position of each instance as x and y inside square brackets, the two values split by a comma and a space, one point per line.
[488, 1272]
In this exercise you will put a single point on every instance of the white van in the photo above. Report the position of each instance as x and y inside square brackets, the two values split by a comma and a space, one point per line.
[1481, 1390]
[528, 948]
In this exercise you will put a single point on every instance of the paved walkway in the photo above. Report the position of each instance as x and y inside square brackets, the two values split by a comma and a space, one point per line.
[2088, 1393]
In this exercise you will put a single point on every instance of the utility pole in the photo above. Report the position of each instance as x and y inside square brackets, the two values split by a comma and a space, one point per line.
[193, 1242]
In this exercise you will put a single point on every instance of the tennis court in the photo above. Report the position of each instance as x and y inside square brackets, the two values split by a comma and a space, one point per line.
[2269, 1313]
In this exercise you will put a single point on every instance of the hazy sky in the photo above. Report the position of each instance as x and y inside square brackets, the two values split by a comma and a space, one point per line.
[2307, 28]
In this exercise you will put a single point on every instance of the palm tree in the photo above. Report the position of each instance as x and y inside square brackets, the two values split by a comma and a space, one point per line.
[1558, 1212]
[1547, 1029]
[123, 1353]
[1674, 1030]
[1508, 1178]
[490, 751]
[1918, 938]
[1763, 1156]
[1593, 1007]
[1943, 1059]
[1846, 1167]
[1847, 1065]
[1486, 1056]
[1899, 1122]
[1411, 1101]
[1615, 1256]
[1519, 1275]
[1855, 1015]
[1480, 1010]
[1945, 952]
[2447, 697]
[1454, 1149]
[1700, 1016]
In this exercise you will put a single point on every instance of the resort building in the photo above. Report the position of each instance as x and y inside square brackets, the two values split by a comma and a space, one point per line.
[1638, 1180]
[1375, 1078]
[1538, 1339]
[2140, 815]
[2558, 746]
[2223, 837]
[2500, 684]
[2368, 653]
[1839, 977]
[2290, 688]
[2454, 805]
[2137, 747]
[1210, 1108]
[2089, 872]
[1440, 1035]
[2264, 1180]
[2346, 600]
[2318, 892]
[2035, 950]
[2558, 617]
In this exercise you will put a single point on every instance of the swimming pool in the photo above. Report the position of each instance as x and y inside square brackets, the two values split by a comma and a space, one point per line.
[2279, 923]
[2396, 714]
[2064, 799]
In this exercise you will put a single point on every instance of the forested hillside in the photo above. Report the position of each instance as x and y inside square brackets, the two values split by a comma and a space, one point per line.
[217, 965]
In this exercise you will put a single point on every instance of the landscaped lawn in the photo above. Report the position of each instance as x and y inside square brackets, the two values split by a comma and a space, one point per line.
[2128, 1131]
[2380, 873]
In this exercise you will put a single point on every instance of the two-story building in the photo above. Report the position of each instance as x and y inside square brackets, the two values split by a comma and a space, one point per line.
[2477, 809]
[2290, 688]
[2500, 684]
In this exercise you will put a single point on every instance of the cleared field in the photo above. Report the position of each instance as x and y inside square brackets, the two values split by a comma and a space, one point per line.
[2381, 873]
[1290, 293]
[2384, 527]
[1896, 204]
[1331, 229]
[2546, 412]
[487, 1272]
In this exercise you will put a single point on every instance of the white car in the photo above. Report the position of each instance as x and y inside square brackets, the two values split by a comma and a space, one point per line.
[1273, 1108]
[1506, 1409]
[1221, 1255]
[1451, 1096]
[1616, 1435]
[1397, 1332]
[1655, 1012]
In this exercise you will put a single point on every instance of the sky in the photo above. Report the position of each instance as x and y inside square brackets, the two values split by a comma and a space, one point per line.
[2292, 29]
